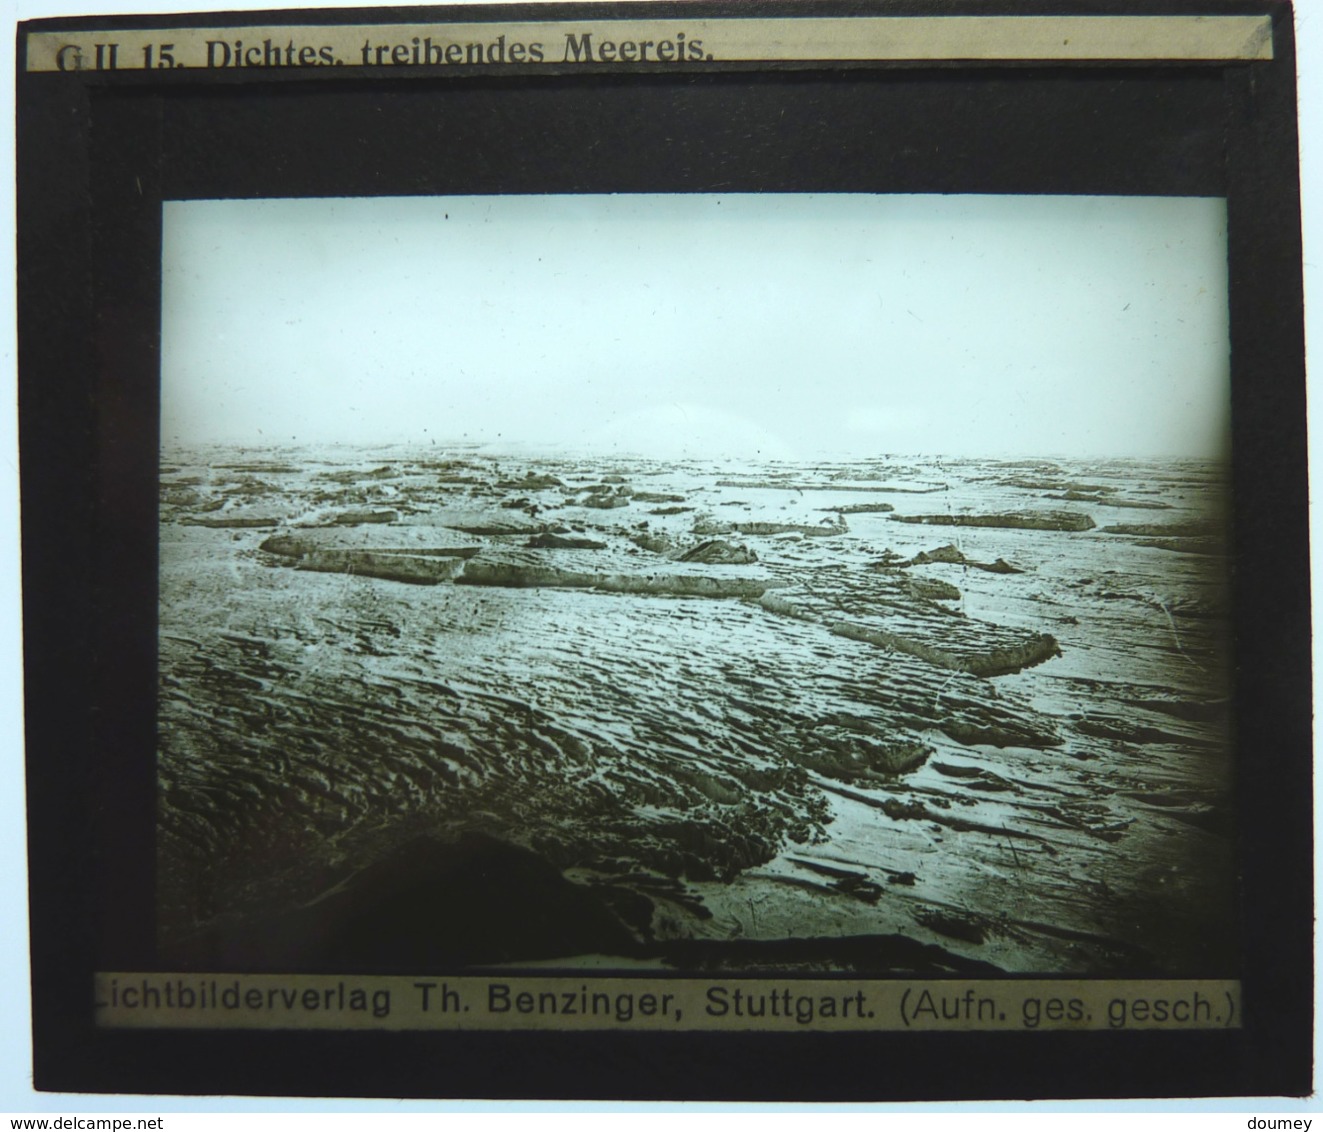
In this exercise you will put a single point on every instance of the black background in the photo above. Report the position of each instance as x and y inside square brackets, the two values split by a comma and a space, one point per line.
[96, 158]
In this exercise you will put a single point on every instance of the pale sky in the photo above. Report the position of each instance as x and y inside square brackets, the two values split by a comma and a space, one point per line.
[781, 325]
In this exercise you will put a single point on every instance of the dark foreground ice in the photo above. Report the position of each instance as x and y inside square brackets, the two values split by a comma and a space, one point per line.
[425, 711]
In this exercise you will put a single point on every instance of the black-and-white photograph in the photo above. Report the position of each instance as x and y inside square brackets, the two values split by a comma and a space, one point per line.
[750, 583]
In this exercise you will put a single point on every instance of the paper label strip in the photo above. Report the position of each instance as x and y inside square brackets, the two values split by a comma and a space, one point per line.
[657, 1004]
[650, 44]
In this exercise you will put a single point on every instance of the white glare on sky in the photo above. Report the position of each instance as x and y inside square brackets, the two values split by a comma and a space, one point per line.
[786, 326]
